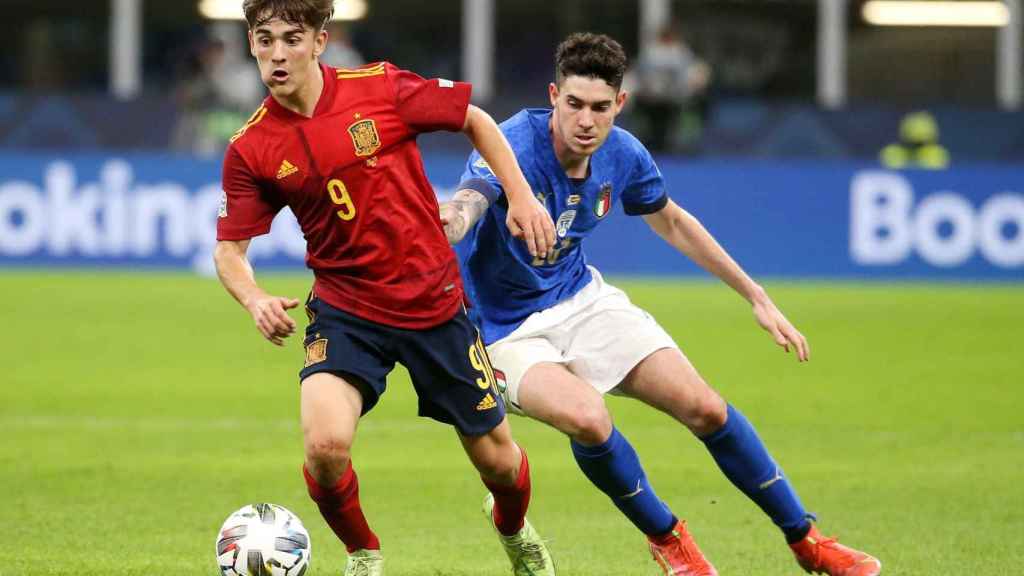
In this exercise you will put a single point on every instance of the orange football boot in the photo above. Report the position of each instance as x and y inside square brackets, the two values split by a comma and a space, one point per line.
[678, 555]
[820, 555]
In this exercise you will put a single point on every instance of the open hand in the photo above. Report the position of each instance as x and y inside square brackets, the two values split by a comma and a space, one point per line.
[268, 312]
[529, 221]
[771, 319]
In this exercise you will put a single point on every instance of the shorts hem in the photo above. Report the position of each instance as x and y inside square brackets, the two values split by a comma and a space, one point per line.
[621, 378]
[475, 431]
[369, 394]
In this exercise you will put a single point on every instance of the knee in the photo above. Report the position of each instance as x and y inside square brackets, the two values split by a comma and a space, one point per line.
[590, 423]
[327, 456]
[707, 415]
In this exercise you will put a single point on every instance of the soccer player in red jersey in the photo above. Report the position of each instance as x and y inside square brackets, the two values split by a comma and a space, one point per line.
[338, 148]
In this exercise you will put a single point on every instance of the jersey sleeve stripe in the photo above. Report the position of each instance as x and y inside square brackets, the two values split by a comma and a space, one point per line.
[377, 66]
[375, 70]
[482, 186]
[643, 209]
[253, 120]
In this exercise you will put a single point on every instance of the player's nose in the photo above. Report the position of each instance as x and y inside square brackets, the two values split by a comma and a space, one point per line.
[586, 119]
[278, 54]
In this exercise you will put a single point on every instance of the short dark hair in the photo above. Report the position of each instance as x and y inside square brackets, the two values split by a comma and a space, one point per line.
[312, 13]
[590, 55]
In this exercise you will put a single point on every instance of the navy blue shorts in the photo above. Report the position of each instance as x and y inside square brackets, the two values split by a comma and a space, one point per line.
[448, 364]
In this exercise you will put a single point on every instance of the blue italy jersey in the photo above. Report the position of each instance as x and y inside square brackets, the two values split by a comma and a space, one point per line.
[503, 282]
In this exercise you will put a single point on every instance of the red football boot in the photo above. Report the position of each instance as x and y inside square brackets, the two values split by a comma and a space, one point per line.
[678, 555]
[820, 555]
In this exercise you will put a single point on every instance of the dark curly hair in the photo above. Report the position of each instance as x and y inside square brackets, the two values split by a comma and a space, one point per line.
[590, 55]
[312, 13]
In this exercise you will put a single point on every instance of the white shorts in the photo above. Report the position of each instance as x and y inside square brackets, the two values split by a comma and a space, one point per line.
[598, 334]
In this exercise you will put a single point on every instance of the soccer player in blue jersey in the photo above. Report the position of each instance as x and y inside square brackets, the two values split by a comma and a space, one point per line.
[562, 337]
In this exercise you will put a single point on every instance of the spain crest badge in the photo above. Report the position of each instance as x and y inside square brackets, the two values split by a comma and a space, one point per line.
[365, 137]
[316, 352]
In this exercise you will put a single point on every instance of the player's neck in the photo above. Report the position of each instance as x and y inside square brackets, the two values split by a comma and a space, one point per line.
[303, 101]
[575, 165]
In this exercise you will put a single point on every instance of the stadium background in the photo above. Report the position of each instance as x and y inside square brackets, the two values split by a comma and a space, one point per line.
[139, 407]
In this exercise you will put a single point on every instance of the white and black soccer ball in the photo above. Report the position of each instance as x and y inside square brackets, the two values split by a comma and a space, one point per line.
[263, 540]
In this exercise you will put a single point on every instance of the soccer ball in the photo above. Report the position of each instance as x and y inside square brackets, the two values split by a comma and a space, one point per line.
[263, 540]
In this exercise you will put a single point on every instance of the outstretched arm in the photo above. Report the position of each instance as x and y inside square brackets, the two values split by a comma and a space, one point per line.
[527, 218]
[461, 212]
[686, 234]
[235, 273]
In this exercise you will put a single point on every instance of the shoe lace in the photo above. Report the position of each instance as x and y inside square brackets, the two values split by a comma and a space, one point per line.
[359, 566]
[840, 554]
[679, 554]
[532, 555]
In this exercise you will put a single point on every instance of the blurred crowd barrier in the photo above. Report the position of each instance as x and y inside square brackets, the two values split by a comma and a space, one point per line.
[799, 219]
[737, 127]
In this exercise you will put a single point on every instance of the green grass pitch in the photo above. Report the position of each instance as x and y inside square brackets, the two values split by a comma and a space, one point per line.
[137, 411]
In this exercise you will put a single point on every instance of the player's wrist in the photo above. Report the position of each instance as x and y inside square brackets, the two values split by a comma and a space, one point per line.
[518, 192]
[250, 299]
[757, 295]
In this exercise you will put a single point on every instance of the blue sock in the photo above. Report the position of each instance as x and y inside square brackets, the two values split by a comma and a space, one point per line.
[615, 468]
[745, 461]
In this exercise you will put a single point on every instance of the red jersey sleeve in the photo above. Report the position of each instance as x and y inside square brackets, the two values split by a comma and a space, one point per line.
[429, 105]
[247, 210]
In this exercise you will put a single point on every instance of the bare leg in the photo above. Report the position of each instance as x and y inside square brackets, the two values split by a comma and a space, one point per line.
[550, 393]
[668, 381]
[330, 413]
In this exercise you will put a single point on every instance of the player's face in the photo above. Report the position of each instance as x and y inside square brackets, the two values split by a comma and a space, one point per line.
[287, 55]
[584, 113]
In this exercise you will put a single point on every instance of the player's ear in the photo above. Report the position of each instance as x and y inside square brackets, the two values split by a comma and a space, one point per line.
[252, 44]
[553, 93]
[620, 100]
[320, 43]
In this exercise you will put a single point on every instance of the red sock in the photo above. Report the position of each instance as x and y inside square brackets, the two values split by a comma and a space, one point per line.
[340, 507]
[511, 502]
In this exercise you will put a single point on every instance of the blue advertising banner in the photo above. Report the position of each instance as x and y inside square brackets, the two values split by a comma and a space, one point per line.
[828, 220]
[837, 220]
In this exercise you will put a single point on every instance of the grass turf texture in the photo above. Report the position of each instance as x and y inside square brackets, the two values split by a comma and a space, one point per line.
[138, 411]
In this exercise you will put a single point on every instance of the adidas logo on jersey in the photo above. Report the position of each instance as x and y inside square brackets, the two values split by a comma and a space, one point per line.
[286, 170]
[487, 403]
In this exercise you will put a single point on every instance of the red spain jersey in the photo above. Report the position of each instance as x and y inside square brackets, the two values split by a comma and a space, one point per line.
[353, 177]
